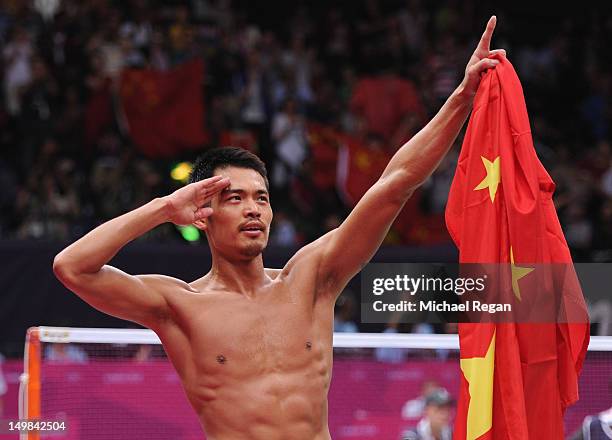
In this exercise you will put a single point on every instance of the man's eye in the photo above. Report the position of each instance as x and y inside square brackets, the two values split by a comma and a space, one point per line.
[234, 198]
[263, 198]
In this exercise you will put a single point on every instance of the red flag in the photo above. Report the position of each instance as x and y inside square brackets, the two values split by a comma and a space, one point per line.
[239, 138]
[517, 379]
[98, 111]
[359, 167]
[164, 110]
[323, 142]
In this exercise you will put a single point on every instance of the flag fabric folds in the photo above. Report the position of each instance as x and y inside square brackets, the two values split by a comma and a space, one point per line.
[164, 111]
[517, 379]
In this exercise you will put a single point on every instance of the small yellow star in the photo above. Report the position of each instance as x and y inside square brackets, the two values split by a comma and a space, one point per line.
[517, 274]
[363, 161]
[492, 178]
[478, 372]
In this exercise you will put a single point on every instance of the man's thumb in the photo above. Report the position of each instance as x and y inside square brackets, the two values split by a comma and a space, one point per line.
[203, 213]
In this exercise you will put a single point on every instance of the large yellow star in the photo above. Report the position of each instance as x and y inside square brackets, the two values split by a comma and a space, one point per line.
[478, 372]
[492, 178]
[517, 274]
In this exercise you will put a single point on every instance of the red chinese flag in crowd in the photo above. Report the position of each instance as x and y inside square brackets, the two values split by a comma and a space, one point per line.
[164, 110]
[517, 378]
[239, 138]
[323, 142]
[359, 167]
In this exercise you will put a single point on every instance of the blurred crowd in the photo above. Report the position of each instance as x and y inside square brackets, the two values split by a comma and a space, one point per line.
[374, 70]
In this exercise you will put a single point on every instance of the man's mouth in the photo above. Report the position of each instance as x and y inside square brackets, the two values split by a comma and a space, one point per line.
[252, 229]
[252, 232]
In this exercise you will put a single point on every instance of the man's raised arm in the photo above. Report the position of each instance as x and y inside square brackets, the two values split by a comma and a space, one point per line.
[349, 247]
[82, 267]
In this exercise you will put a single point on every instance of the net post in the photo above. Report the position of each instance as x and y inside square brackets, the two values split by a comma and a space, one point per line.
[32, 361]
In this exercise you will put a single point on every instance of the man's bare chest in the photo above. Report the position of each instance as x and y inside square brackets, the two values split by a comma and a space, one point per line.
[236, 334]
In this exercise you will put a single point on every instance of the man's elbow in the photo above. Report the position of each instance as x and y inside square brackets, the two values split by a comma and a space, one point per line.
[402, 184]
[63, 270]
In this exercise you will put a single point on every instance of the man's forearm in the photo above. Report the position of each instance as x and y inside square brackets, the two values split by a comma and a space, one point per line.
[421, 155]
[95, 249]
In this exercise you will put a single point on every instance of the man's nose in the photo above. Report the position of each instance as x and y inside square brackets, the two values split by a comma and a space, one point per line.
[252, 209]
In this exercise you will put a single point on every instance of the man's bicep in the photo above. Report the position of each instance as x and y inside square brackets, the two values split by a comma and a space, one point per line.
[138, 298]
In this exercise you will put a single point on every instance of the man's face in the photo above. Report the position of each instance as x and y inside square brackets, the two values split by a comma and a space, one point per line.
[240, 223]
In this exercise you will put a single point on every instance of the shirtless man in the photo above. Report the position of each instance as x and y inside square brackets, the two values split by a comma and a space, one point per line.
[253, 346]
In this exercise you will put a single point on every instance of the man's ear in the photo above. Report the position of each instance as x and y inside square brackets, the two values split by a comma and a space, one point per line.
[201, 224]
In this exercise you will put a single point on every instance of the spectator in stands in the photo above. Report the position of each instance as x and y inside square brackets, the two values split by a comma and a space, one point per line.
[255, 102]
[62, 200]
[413, 409]
[181, 35]
[143, 353]
[595, 427]
[344, 313]
[39, 100]
[578, 228]
[17, 68]
[65, 353]
[149, 352]
[299, 59]
[390, 354]
[289, 136]
[443, 68]
[436, 423]
[108, 188]
[376, 67]
[436, 188]
[283, 232]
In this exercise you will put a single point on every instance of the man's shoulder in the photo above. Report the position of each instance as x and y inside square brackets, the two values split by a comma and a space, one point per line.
[308, 253]
[301, 272]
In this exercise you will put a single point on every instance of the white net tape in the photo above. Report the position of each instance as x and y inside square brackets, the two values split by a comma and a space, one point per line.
[341, 340]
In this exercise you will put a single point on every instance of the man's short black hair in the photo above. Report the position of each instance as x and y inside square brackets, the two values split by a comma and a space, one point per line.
[223, 157]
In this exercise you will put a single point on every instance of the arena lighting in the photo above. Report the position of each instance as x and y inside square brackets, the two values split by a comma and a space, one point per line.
[180, 172]
[189, 233]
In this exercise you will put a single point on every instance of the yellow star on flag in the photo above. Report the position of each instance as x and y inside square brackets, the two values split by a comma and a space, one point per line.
[517, 274]
[363, 160]
[478, 372]
[492, 178]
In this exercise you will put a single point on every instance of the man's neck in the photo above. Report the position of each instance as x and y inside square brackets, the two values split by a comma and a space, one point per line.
[243, 276]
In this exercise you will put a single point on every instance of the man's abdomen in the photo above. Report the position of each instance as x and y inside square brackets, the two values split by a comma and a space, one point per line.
[277, 405]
